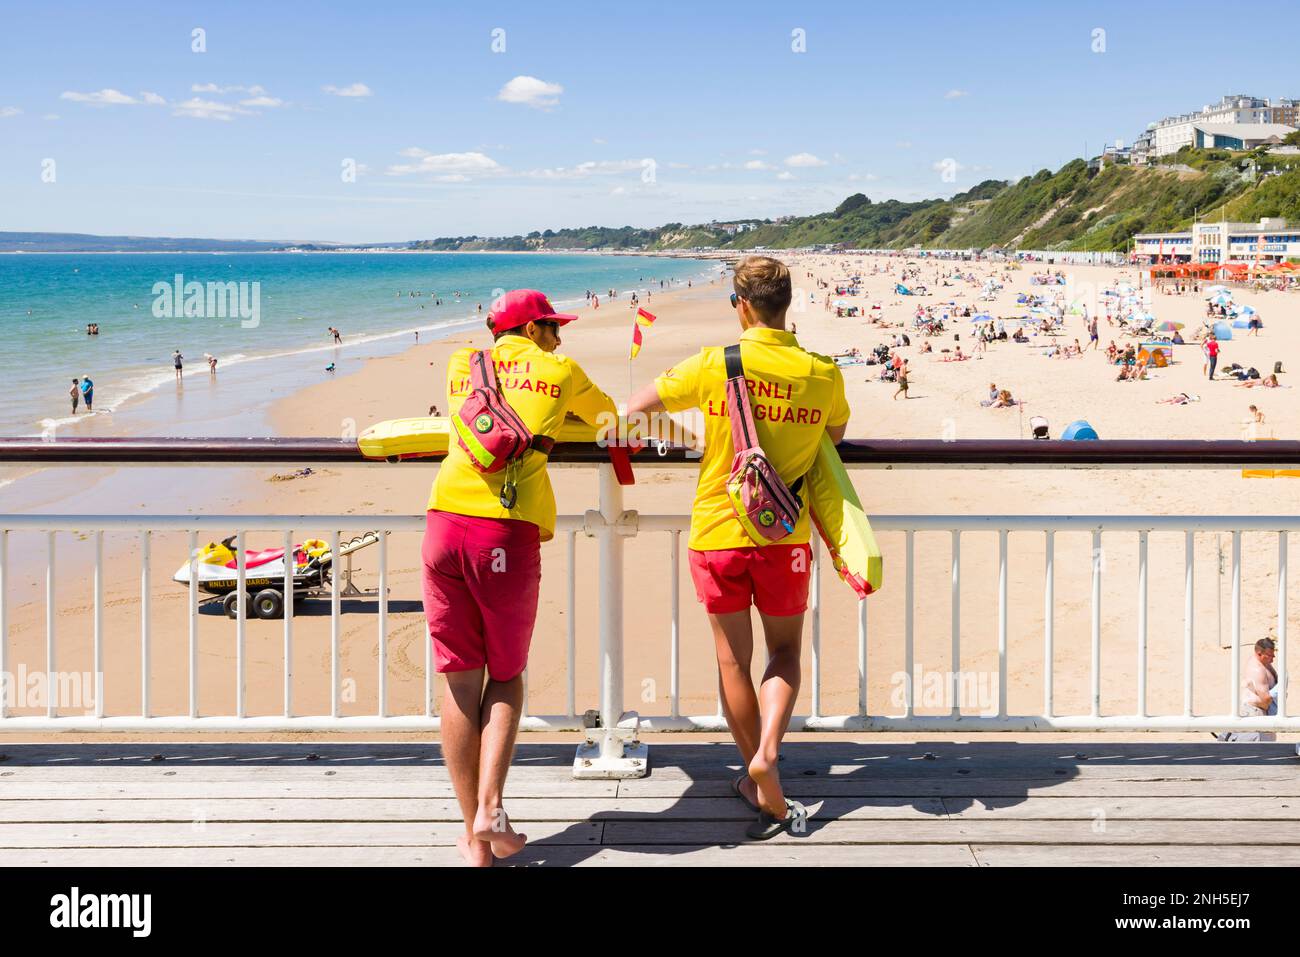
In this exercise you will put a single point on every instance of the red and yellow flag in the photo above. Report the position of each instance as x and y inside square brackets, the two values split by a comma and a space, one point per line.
[643, 318]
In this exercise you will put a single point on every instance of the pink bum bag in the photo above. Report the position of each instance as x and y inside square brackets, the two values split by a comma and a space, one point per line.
[490, 431]
[765, 506]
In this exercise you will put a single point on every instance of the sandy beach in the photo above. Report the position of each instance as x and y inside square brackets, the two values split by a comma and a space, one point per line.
[944, 401]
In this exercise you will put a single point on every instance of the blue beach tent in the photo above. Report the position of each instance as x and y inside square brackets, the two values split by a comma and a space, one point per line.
[1079, 429]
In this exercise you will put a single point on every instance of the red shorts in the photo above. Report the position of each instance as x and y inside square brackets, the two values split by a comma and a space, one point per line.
[481, 578]
[774, 578]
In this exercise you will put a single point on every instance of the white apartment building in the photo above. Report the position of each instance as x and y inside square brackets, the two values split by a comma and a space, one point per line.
[1225, 119]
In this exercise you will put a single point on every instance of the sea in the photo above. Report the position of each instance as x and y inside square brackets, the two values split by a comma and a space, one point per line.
[264, 316]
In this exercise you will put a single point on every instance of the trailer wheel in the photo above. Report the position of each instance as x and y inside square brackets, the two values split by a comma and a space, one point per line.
[230, 604]
[268, 603]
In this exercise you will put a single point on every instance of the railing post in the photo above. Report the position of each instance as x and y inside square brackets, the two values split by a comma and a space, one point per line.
[611, 751]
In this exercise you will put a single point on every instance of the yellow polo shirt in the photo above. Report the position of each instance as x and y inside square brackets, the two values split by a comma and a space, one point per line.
[542, 387]
[795, 396]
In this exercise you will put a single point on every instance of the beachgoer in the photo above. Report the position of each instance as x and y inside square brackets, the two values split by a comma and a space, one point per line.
[902, 381]
[482, 560]
[1258, 693]
[178, 363]
[88, 393]
[1211, 347]
[75, 393]
[212, 365]
[730, 571]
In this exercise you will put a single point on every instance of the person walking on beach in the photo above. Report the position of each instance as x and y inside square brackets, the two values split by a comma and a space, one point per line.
[482, 559]
[75, 393]
[178, 363]
[87, 393]
[902, 381]
[1211, 353]
[797, 396]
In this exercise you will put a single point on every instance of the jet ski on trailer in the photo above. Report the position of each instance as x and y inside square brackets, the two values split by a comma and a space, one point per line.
[215, 567]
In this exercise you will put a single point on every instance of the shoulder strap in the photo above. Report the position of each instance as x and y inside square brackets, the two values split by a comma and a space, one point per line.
[743, 433]
[483, 371]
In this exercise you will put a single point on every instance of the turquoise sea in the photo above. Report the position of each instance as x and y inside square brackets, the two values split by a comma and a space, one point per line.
[278, 342]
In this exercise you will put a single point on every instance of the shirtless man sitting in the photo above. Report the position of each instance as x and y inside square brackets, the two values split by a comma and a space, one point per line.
[1258, 688]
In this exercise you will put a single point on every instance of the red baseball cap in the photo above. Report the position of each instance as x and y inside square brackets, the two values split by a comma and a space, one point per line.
[522, 306]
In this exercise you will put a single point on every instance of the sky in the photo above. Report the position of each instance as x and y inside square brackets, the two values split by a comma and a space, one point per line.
[393, 121]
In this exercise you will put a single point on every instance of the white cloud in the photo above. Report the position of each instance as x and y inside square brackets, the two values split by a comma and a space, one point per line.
[598, 141]
[531, 91]
[904, 144]
[804, 160]
[50, 116]
[955, 94]
[445, 167]
[262, 101]
[946, 165]
[355, 89]
[152, 99]
[104, 97]
[9, 111]
[758, 152]
[785, 174]
[208, 110]
[757, 164]
[869, 177]
[589, 168]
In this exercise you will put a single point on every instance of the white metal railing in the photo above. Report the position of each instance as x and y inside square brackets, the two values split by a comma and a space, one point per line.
[610, 525]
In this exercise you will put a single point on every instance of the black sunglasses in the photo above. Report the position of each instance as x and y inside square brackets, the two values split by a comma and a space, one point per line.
[735, 299]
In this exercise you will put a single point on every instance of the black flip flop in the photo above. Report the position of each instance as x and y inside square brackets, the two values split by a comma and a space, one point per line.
[735, 789]
[768, 827]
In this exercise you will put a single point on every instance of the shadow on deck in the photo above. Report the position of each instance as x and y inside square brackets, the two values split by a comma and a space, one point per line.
[938, 803]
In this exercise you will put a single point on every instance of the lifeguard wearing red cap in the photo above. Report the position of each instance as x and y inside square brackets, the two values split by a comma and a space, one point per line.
[522, 306]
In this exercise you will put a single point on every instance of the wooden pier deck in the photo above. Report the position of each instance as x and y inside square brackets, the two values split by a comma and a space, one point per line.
[872, 803]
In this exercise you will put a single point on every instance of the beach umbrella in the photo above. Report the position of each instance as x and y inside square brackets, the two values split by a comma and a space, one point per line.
[1247, 310]
[1168, 326]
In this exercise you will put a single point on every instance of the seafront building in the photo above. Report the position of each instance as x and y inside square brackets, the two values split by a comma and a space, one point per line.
[1268, 240]
[1236, 122]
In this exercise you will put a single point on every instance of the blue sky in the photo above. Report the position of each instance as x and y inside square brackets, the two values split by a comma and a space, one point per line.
[249, 138]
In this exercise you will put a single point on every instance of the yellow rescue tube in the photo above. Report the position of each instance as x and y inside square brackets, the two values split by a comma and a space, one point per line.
[428, 435]
[843, 525]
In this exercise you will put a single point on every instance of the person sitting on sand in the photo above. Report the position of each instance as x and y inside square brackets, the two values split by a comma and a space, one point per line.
[926, 347]
[1258, 693]
[1004, 400]
[1257, 417]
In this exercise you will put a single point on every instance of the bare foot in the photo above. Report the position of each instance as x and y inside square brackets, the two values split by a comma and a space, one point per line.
[767, 780]
[476, 853]
[494, 828]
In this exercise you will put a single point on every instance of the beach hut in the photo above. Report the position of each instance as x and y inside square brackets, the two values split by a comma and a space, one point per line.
[1079, 430]
[1222, 330]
